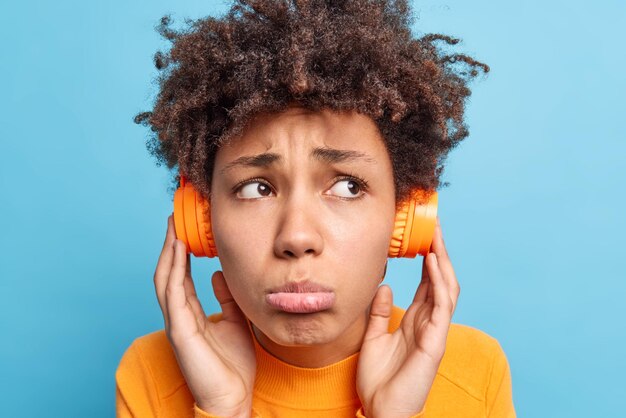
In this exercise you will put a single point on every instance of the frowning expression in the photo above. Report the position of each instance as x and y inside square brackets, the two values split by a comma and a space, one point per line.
[304, 195]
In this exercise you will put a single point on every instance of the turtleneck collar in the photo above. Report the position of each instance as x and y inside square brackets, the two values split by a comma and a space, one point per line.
[328, 387]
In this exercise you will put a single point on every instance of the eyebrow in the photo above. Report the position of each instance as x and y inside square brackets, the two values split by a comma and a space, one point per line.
[323, 154]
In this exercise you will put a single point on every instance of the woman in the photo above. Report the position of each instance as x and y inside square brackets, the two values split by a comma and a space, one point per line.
[306, 125]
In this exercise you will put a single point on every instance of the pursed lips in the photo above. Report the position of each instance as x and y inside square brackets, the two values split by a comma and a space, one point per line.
[301, 297]
[304, 286]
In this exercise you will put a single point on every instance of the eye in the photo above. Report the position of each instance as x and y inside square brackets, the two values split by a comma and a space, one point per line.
[253, 190]
[348, 188]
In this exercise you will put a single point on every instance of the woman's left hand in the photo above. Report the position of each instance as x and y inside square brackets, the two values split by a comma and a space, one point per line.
[396, 371]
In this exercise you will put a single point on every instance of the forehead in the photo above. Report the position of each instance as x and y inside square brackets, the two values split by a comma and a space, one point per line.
[300, 127]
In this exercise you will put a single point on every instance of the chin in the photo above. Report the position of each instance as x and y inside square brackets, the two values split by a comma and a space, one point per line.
[301, 330]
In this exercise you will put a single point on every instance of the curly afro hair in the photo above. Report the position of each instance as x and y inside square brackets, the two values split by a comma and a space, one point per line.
[264, 55]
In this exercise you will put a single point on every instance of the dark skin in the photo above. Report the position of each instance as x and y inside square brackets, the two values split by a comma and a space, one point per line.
[414, 350]
[264, 59]
[395, 370]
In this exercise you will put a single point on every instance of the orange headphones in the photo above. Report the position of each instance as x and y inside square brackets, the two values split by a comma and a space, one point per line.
[412, 233]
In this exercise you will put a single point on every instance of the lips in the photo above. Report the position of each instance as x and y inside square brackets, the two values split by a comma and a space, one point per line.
[305, 286]
[301, 297]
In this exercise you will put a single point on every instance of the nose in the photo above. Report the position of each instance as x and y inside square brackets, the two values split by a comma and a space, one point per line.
[298, 232]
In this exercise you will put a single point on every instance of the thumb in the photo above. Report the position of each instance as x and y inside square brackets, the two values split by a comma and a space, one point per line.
[230, 309]
[380, 312]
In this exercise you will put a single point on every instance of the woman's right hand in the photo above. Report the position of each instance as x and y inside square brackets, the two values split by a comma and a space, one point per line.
[217, 359]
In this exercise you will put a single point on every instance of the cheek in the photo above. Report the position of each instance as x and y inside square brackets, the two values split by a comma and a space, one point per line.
[365, 243]
[361, 250]
[240, 248]
[233, 232]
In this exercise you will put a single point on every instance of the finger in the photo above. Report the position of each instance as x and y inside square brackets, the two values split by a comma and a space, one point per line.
[188, 265]
[380, 312]
[190, 294]
[190, 288]
[443, 259]
[442, 304]
[164, 266]
[230, 309]
[431, 260]
[424, 269]
[422, 289]
[178, 311]
[437, 246]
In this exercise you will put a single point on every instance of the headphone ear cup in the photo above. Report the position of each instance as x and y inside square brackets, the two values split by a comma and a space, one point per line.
[414, 226]
[192, 220]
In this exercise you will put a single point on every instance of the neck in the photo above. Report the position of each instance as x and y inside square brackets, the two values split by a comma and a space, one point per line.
[319, 355]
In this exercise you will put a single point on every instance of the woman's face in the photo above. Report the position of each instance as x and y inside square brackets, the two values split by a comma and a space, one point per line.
[287, 205]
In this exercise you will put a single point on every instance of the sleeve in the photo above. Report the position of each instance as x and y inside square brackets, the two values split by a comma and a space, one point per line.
[360, 414]
[136, 393]
[499, 395]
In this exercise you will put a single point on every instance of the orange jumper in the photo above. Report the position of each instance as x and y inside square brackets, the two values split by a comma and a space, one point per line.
[473, 380]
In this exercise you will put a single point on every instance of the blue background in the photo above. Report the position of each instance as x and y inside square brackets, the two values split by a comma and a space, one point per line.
[532, 219]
